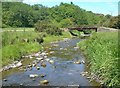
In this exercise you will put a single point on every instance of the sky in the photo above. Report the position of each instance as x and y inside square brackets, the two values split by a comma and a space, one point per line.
[96, 6]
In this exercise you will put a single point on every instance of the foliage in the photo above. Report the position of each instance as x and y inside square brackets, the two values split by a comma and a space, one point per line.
[102, 51]
[41, 26]
[18, 14]
[49, 28]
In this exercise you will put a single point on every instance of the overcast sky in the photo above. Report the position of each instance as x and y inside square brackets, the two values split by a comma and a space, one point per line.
[96, 6]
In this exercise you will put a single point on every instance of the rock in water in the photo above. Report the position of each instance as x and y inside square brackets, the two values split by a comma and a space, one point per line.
[51, 62]
[83, 61]
[44, 82]
[42, 75]
[38, 68]
[39, 58]
[19, 64]
[47, 59]
[5, 80]
[33, 75]
[43, 54]
[77, 62]
[33, 65]
[51, 52]
[43, 64]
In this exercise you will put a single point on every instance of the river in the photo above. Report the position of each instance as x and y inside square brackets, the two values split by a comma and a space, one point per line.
[60, 69]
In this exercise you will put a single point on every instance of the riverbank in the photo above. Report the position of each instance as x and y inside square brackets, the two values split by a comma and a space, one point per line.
[101, 51]
[16, 44]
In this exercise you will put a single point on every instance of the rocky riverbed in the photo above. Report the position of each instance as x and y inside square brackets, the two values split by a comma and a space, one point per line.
[59, 64]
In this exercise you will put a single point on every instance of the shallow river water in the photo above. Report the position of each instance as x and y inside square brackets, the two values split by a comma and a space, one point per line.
[63, 72]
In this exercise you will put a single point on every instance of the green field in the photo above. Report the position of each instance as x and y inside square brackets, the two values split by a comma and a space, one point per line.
[18, 43]
[18, 29]
[101, 51]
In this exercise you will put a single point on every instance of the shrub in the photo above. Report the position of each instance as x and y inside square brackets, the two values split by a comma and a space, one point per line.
[49, 28]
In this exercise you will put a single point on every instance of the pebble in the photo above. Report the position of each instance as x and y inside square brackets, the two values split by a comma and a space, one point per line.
[42, 75]
[84, 73]
[33, 75]
[30, 57]
[37, 54]
[5, 80]
[33, 65]
[21, 84]
[45, 56]
[55, 45]
[83, 61]
[77, 62]
[76, 47]
[51, 61]
[43, 65]
[38, 68]
[65, 49]
[19, 64]
[88, 77]
[51, 52]
[61, 48]
[40, 58]
[29, 66]
[44, 82]
[47, 59]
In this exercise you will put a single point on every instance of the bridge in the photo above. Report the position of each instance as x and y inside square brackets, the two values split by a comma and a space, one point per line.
[84, 28]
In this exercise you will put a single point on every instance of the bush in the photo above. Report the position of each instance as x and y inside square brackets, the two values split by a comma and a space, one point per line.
[53, 30]
[49, 28]
[41, 26]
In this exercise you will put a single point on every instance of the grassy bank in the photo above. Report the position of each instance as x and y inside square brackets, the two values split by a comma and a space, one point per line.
[102, 51]
[51, 38]
[18, 43]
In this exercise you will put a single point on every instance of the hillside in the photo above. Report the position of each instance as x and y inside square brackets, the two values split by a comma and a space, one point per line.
[18, 14]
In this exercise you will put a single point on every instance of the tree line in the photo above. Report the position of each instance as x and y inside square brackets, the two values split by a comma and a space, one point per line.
[18, 14]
